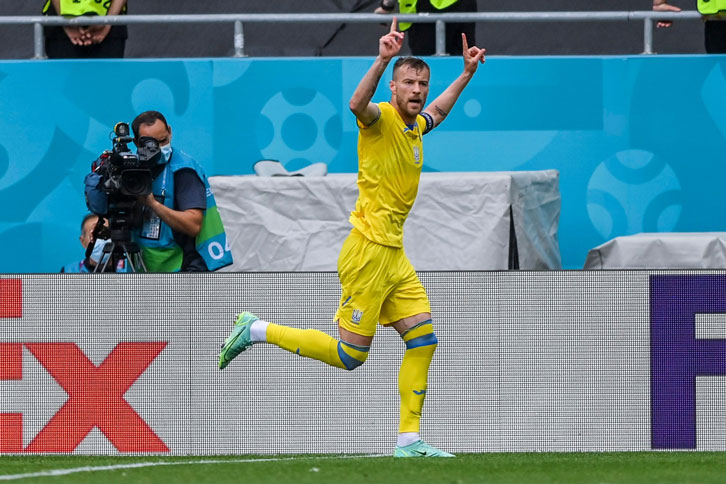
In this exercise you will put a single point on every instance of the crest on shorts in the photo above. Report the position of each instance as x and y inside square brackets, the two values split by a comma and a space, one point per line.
[357, 315]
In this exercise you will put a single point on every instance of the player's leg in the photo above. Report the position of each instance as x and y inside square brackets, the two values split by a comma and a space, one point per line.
[409, 310]
[357, 320]
[310, 343]
[418, 335]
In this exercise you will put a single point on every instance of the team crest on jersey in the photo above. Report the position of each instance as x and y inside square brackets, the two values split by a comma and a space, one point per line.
[357, 315]
[416, 154]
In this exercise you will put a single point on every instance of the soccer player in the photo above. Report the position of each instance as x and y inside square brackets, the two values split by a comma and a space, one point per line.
[378, 282]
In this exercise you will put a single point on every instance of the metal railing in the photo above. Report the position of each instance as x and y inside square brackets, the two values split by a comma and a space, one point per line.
[647, 17]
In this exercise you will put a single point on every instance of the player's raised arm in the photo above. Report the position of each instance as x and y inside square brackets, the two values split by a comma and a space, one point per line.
[388, 46]
[441, 106]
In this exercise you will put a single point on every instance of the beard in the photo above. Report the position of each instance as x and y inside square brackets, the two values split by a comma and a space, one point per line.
[407, 107]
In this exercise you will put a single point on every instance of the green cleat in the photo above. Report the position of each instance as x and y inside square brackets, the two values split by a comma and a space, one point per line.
[420, 449]
[239, 340]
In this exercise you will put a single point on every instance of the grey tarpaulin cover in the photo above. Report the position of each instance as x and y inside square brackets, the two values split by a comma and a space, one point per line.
[668, 250]
[460, 221]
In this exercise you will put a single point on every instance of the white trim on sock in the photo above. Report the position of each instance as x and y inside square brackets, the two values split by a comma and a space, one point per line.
[258, 331]
[407, 438]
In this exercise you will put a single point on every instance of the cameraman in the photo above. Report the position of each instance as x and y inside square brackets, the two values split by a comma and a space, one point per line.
[180, 229]
[88, 264]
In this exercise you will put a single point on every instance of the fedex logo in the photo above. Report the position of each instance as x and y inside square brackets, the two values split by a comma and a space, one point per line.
[95, 397]
[11, 298]
[677, 357]
[95, 393]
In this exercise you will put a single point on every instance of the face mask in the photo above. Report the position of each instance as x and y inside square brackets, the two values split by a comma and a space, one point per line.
[166, 151]
[98, 251]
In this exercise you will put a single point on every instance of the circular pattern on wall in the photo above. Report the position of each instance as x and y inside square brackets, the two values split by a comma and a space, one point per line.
[300, 126]
[643, 183]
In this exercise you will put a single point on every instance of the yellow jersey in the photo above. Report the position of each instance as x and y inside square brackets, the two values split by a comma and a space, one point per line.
[390, 157]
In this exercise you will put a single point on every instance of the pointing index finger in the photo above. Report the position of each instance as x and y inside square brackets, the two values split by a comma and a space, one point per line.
[464, 43]
[394, 25]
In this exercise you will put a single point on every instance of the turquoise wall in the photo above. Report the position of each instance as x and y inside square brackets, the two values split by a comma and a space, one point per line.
[639, 141]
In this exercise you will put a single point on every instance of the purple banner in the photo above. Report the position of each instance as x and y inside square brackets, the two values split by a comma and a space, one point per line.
[677, 357]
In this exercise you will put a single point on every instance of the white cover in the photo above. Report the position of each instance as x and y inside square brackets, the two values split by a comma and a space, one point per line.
[460, 221]
[685, 250]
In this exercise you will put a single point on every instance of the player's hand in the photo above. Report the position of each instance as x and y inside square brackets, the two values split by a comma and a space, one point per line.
[390, 44]
[664, 7]
[473, 55]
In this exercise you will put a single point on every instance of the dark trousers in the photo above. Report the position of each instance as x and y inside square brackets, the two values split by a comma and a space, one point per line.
[715, 36]
[422, 37]
[63, 48]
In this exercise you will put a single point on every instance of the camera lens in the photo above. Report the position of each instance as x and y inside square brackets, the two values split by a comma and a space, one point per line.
[135, 183]
[121, 129]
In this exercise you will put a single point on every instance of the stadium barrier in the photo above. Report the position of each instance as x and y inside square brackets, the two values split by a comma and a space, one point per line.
[647, 17]
[527, 361]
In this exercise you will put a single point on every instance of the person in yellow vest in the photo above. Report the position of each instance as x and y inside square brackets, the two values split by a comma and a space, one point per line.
[714, 16]
[93, 41]
[379, 284]
[422, 36]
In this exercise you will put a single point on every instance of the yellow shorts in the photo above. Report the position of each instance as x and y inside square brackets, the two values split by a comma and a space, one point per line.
[378, 284]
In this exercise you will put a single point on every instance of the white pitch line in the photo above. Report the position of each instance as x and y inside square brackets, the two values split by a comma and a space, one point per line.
[75, 470]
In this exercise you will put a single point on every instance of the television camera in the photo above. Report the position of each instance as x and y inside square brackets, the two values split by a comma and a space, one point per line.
[117, 179]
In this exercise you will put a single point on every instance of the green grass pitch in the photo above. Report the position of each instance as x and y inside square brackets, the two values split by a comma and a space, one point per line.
[597, 468]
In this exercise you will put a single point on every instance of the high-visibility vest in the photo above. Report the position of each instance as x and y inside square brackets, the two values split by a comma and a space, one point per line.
[163, 254]
[710, 7]
[409, 6]
[75, 8]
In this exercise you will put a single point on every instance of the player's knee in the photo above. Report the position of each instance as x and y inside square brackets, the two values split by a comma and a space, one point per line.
[420, 335]
[352, 355]
[353, 363]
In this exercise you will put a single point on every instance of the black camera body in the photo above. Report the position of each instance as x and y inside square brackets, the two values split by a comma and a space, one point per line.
[125, 175]
[118, 178]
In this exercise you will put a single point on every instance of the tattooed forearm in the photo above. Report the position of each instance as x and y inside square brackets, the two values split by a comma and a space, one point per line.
[372, 89]
[376, 80]
[367, 87]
